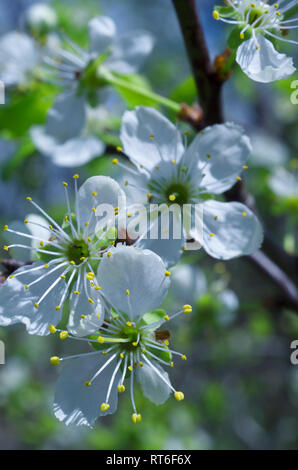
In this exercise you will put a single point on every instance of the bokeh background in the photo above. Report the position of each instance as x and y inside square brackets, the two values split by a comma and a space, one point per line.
[241, 391]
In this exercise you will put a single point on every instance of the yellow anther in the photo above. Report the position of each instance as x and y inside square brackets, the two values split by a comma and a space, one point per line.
[121, 388]
[122, 355]
[26, 286]
[52, 329]
[28, 198]
[46, 266]
[94, 210]
[104, 353]
[83, 316]
[94, 193]
[173, 162]
[89, 239]
[157, 167]
[149, 196]
[179, 396]
[151, 136]
[128, 323]
[26, 221]
[86, 224]
[11, 277]
[119, 149]
[90, 301]
[63, 335]
[257, 48]
[66, 218]
[184, 358]
[215, 15]
[5, 248]
[51, 227]
[167, 273]
[166, 342]
[62, 276]
[243, 214]
[64, 184]
[100, 340]
[109, 254]
[36, 305]
[136, 418]
[253, 5]
[98, 315]
[97, 288]
[90, 276]
[172, 364]
[5, 228]
[58, 307]
[76, 176]
[72, 262]
[130, 368]
[278, 13]
[208, 155]
[241, 35]
[115, 161]
[83, 258]
[54, 360]
[276, 5]
[127, 292]
[126, 183]
[88, 383]
[211, 234]
[166, 317]
[141, 364]
[245, 167]
[143, 350]
[135, 344]
[104, 407]
[172, 197]
[187, 308]
[129, 214]
[239, 178]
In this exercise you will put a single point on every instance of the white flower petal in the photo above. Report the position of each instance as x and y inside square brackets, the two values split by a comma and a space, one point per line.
[17, 303]
[78, 151]
[153, 387]
[93, 313]
[148, 137]
[108, 192]
[18, 56]
[221, 151]
[141, 272]
[66, 117]
[235, 234]
[102, 32]
[264, 64]
[129, 52]
[77, 404]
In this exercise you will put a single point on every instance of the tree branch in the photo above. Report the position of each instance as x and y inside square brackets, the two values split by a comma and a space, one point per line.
[207, 80]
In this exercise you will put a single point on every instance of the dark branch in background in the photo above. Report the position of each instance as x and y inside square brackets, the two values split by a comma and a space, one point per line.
[207, 80]
[209, 84]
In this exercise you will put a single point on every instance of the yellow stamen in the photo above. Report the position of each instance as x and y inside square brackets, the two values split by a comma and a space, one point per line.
[52, 329]
[54, 360]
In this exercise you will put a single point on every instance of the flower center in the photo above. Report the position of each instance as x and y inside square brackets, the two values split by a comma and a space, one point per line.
[179, 191]
[77, 250]
[253, 15]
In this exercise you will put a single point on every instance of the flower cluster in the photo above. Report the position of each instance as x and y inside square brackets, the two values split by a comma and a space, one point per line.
[256, 54]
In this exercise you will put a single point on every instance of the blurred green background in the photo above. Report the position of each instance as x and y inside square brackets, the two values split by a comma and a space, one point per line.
[241, 391]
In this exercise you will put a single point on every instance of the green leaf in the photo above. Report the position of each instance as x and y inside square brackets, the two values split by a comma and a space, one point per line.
[185, 92]
[25, 150]
[225, 12]
[154, 316]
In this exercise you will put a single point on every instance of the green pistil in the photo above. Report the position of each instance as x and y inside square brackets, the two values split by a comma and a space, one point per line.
[180, 191]
[255, 13]
[77, 250]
